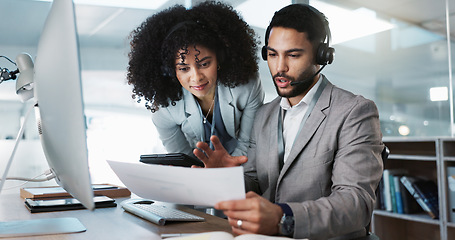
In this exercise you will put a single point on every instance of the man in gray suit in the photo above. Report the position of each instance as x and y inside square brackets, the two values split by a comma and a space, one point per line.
[314, 159]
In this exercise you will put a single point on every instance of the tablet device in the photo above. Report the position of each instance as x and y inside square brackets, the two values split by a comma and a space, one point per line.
[172, 159]
[49, 205]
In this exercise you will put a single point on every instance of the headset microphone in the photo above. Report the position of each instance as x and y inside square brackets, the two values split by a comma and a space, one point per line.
[314, 75]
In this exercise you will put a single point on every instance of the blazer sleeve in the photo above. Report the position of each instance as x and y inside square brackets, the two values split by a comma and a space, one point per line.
[262, 129]
[170, 132]
[254, 98]
[355, 174]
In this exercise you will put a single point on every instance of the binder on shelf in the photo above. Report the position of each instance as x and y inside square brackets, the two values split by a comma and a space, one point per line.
[107, 190]
[387, 196]
[410, 205]
[398, 198]
[393, 194]
[425, 192]
[390, 190]
[380, 203]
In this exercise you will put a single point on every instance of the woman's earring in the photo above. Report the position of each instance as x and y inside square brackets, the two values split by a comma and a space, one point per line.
[218, 67]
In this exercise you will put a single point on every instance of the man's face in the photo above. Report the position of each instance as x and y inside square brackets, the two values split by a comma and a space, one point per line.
[290, 58]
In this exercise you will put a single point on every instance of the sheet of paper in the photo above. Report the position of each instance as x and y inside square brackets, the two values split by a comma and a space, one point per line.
[180, 185]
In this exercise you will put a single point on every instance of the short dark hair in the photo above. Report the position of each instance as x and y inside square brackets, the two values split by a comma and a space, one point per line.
[155, 43]
[303, 18]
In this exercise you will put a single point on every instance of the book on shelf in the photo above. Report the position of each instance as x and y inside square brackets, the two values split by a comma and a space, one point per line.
[410, 205]
[425, 193]
[451, 192]
[386, 191]
[380, 203]
[398, 198]
[391, 196]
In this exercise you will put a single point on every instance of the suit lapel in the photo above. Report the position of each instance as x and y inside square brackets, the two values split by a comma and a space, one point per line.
[192, 113]
[312, 124]
[227, 110]
[273, 164]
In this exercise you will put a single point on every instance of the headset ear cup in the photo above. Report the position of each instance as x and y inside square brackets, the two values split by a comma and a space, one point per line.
[325, 54]
[330, 55]
[166, 71]
[320, 54]
[264, 53]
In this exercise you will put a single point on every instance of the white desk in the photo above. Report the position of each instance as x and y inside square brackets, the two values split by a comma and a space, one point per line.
[107, 223]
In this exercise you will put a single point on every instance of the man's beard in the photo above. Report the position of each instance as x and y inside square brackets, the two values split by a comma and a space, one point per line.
[305, 80]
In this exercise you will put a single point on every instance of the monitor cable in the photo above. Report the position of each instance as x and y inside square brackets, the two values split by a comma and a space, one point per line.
[49, 175]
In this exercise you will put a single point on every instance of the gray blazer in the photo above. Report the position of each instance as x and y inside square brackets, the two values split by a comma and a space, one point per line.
[180, 126]
[332, 171]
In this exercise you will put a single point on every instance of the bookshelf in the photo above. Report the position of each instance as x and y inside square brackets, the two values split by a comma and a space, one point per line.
[448, 161]
[427, 158]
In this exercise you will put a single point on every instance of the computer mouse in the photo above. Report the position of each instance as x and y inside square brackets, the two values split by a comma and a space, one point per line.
[144, 201]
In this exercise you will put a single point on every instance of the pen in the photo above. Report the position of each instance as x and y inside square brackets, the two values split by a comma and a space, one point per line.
[169, 235]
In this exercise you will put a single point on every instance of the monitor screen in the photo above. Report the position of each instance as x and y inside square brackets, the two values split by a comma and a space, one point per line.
[60, 109]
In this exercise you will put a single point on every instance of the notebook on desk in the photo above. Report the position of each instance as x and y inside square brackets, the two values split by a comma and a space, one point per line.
[105, 189]
[50, 205]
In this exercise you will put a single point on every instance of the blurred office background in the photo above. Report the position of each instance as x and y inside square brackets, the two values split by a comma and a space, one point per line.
[396, 52]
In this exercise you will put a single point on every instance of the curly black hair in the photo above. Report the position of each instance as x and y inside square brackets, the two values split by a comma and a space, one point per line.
[156, 42]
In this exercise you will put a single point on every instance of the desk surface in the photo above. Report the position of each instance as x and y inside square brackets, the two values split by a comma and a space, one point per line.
[107, 223]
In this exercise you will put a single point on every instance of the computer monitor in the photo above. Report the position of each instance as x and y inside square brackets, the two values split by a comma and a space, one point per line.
[60, 118]
[58, 94]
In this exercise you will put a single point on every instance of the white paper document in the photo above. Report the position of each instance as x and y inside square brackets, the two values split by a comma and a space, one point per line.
[181, 185]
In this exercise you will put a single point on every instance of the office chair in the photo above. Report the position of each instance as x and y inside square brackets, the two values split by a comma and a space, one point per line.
[371, 236]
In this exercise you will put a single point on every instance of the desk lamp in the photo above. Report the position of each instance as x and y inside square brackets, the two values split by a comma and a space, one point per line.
[24, 83]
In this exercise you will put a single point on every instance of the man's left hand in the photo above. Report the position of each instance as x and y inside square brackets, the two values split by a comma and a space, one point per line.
[256, 214]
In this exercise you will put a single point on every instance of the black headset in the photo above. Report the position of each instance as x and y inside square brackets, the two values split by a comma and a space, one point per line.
[324, 53]
[166, 71]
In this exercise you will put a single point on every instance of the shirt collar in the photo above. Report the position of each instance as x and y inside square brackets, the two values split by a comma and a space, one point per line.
[305, 100]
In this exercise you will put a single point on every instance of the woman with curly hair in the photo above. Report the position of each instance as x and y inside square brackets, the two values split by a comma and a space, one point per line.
[197, 71]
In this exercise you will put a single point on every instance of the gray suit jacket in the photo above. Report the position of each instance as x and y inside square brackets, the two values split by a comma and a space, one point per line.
[332, 171]
[180, 126]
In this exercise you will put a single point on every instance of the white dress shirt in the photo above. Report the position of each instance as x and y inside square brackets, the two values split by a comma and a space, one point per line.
[293, 116]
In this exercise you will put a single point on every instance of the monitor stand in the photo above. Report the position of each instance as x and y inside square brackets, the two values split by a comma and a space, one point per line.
[38, 227]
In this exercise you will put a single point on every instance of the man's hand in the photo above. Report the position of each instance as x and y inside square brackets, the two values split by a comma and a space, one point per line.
[218, 157]
[257, 215]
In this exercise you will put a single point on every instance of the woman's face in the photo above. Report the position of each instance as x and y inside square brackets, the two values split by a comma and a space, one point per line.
[196, 70]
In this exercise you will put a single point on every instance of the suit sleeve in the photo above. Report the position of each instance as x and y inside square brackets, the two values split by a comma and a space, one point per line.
[251, 177]
[255, 98]
[357, 170]
[170, 133]
[250, 173]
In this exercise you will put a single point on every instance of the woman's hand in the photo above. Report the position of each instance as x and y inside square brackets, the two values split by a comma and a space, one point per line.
[218, 157]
